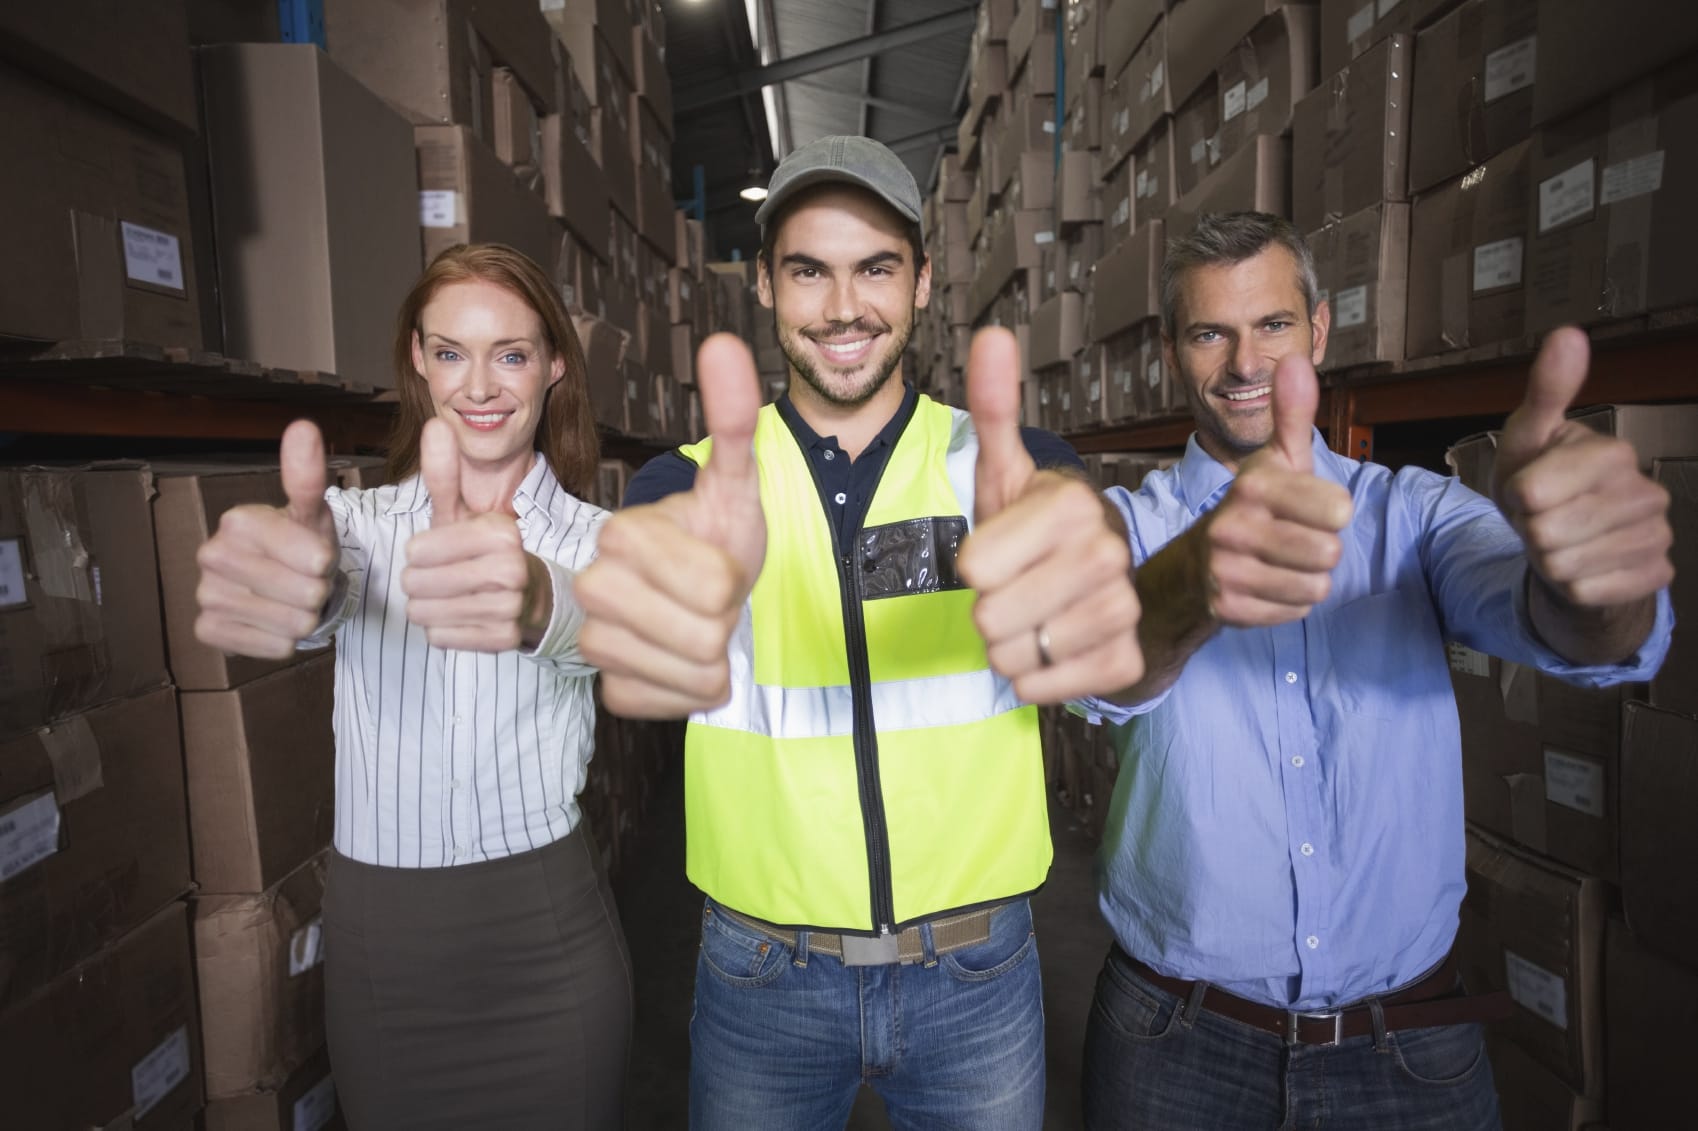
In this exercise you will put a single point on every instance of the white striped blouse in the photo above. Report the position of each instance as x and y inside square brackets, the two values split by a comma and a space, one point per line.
[449, 757]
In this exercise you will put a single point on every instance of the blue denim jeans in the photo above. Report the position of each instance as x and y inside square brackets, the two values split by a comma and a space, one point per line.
[1152, 1066]
[781, 1039]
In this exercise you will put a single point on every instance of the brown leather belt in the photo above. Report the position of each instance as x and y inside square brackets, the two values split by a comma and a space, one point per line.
[953, 933]
[1428, 1003]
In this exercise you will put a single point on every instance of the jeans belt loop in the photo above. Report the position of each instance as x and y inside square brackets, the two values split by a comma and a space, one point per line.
[1295, 1018]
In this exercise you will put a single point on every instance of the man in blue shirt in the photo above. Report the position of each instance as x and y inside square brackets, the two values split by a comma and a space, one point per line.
[1284, 855]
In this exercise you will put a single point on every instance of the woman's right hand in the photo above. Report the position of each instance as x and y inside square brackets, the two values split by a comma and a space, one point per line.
[266, 574]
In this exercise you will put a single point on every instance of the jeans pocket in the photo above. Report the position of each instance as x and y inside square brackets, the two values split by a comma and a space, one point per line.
[1448, 1054]
[1131, 1011]
[739, 956]
[1011, 942]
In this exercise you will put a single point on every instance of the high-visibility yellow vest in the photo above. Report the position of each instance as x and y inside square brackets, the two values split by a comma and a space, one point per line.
[870, 769]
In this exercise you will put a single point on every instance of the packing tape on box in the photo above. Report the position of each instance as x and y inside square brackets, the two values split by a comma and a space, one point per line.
[55, 518]
[74, 753]
[1628, 185]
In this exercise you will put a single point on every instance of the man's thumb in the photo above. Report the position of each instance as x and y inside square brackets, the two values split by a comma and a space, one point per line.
[301, 457]
[1558, 373]
[993, 399]
[731, 404]
[1296, 397]
[439, 466]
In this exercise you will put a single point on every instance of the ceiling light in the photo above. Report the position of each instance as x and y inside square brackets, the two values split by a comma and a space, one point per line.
[754, 194]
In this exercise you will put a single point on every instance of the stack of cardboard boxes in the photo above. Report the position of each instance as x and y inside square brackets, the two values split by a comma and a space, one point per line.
[1579, 807]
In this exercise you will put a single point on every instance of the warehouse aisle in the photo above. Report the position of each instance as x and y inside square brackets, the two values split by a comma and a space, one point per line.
[660, 911]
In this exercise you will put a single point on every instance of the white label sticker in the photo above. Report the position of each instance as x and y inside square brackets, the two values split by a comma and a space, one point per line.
[1232, 102]
[152, 257]
[1351, 307]
[1041, 238]
[1049, 125]
[1509, 69]
[1566, 195]
[1142, 181]
[1634, 177]
[1386, 6]
[1096, 391]
[315, 1109]
[306, 947]
[1122, 214]
[161, 1070]
[1257, 95]
[1537, 989]
[1467, 661]
[12, 573]
[1574, 783]
[1361, 23]
[438, 208]
[1498, 264]
[1199, 151]
[1152, 375]
[631, 389]
[1156, 78]
[29, 834]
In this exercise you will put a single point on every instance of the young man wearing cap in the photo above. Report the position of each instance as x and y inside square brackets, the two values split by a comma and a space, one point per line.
[864, 784]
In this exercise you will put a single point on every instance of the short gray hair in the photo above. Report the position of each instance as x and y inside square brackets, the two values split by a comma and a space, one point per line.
[1225, 238]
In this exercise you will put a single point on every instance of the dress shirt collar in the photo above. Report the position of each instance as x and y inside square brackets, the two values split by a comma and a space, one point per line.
[1203, 479]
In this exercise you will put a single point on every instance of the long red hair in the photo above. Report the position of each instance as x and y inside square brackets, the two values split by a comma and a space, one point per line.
[567, 435]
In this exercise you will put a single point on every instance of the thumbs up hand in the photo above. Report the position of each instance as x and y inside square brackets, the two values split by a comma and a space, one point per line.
[667, 588]
[1047, 555]
[265, 573]
[1267, 552]
[469, 582]
[1596, 529]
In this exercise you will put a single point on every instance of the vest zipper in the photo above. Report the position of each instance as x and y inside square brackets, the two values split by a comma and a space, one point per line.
[866, 746]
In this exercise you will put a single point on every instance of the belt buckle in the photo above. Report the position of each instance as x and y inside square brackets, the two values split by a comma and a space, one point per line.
[858, 950]
[1294, 1018]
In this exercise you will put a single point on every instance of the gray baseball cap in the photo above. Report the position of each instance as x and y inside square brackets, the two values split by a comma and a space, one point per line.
[844, 159]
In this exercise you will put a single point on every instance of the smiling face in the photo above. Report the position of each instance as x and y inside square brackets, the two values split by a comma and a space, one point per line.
[483, 353]
[1233, 324]
[843, 289]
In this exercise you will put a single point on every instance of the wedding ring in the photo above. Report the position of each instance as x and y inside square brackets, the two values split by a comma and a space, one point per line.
[1044, 658]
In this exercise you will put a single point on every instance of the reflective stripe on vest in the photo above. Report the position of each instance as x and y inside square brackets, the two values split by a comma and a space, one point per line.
[773, 782]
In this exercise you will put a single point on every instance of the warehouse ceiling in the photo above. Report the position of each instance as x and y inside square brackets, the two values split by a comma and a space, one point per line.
[894, 70]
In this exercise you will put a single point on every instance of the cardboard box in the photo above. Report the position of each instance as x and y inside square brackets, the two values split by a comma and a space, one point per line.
[1473, 95]
[1117, 203]
[1201, 33]
[259, 962]
[592, 27]
[1149, 98]
[433, 60]
[79, 603]
[1350, 138]
[261, 771]
[99, 836]
[604, 354]
[1587, 50]
[610, 145]
[466, 195]
[1651, 1040]
[1058, 330]
[100, 228]
[1362, 264]
[113, 1042]
[1083, 128]
[1256, 177]
[1055, 397]
[654, 203]
[575, 190]
[1503, 762]
[1536, 929]
[1077, 201]
[1126, 25]
[1675, 686]
[1196, 139]
[516, 126]
[136, 64]
[1034, 76]
[1659, 844]
[1082, 47]
[1612, 235]
[314, 182]
[650, 76]
[190, 501]
[1348, 28]
[987, 82]
[305, 1102]
[1465, 260]
[1137, 383]
[1262, 79]
[1033, 186]
[1031, 20]
[1126, 284]
[1077, 257]
[1155, 184]
[1530, 1097]
[955, 181]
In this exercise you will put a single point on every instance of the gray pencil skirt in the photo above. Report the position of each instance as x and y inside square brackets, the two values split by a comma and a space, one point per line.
[494, 995]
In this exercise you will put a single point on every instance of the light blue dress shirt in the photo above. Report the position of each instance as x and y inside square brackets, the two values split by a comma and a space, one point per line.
[1287, 823]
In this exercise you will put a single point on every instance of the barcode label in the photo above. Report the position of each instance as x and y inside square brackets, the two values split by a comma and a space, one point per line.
[29, 834]
[1232, 102]
[1498, 264]
[1566, 196]
[315, 1109]
[1574, 783]
[1636, 176]
[1351, 309]
[1536, 989]
[1509, 69]
[12, 573]
[1467, 661]
[152, 257]
[157, 1073]
[438, 208]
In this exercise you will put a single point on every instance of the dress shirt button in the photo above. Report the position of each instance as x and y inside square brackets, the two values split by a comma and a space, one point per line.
[842, 498]
[454, 720]
[1307, 849]
[456, 785]
[1291, 677]
[829, 454]
[1297, 760]
[1313, 942]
